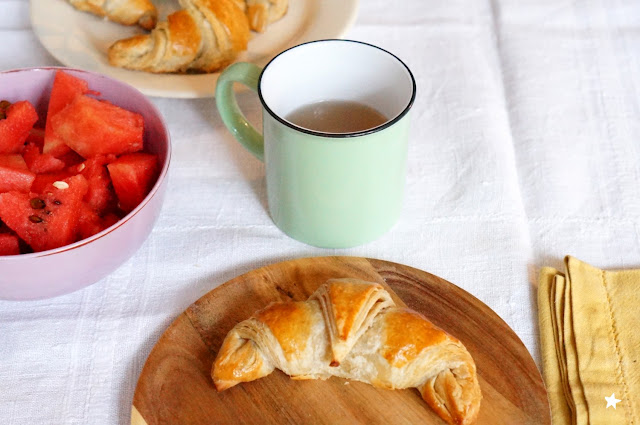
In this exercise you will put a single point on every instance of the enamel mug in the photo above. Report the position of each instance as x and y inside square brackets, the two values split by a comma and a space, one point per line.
[331, 190]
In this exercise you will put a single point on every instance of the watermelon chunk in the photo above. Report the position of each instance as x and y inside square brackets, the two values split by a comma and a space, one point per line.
[41, 162]
[36, 136]
[92, 127]
[43, 182]
[9, 244]
[65, 89]
[133, 175]
[90, 223]
[14, 129]
[71, 158]
[14, 174]
[100, 194]
[48, 220]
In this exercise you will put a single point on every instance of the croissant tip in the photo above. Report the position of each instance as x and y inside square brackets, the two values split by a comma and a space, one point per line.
[221, 386]
[148, 22]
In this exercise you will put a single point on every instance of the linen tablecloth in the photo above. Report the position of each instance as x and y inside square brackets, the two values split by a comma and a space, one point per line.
[524, 147]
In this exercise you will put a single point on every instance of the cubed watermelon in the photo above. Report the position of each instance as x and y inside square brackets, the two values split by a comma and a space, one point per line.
[45, 221]
[71, 158]
[91, 223]
[110, 219]
[100, 194]
[9, 244]
[65, 89]
[14, 129]
[36, 136]
[92, 127]
[14, 174]
[133, 175]
[42, 182]
[39, 162]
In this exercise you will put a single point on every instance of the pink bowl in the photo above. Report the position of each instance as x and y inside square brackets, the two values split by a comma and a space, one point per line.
[69, 268]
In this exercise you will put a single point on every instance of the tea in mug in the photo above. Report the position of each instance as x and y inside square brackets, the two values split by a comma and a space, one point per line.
[336, 116]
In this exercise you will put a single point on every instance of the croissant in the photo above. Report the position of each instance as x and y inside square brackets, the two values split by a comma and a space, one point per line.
[203, 36]
[352, 329]
[263, 12]
[127, 12]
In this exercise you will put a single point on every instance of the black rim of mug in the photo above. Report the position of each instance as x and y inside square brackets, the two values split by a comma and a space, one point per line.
[339, 135]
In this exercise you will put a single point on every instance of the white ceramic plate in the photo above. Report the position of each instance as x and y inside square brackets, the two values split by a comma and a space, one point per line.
[80, 40]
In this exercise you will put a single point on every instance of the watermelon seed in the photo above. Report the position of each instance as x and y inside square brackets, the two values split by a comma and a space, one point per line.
[81, 167]
[61, 185]
[37, 203]
[57, 202]
[35, 219]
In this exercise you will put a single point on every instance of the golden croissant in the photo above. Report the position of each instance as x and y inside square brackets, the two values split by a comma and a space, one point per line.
[127, 12]
[203, 36]
[263, 12]
[352, 329]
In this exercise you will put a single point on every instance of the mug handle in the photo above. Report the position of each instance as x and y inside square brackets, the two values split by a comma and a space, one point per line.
[247, 74]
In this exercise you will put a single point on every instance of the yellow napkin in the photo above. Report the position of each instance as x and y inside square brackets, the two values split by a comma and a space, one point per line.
[590, 342]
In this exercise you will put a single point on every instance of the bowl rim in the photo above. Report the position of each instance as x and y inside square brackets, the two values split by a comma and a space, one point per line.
[154, 190]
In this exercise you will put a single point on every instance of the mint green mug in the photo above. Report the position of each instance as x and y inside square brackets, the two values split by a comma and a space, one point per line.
[331, 190]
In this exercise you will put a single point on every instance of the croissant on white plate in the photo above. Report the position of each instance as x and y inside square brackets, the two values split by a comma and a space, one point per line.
[127, 12]
[352, 329]
[203, 36]
[261, 13]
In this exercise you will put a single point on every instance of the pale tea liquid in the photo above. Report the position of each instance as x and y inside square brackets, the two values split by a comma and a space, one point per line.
[336, 116]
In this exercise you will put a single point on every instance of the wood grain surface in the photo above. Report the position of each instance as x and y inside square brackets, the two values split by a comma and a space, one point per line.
[175, 385]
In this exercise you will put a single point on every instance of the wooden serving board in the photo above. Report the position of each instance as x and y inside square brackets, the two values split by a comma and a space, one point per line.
[175, 386]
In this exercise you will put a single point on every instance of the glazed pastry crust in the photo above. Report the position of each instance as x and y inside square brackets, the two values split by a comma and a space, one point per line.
[203, 36]
[127, 12]
[352, 329]
[349, 309]
[261, 13]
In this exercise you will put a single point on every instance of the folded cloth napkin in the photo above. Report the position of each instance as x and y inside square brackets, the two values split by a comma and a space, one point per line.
[590, 342]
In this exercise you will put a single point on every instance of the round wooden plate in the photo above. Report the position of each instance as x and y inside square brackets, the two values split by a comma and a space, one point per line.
[175, 386]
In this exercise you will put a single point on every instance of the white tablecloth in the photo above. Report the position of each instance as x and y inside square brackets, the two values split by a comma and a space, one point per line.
[524, 147]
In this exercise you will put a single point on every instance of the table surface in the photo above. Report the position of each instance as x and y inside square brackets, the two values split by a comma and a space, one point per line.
[524, 147]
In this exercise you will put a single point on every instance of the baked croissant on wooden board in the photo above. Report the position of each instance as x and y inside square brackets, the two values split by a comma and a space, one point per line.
[127, 12]
[203, 36]
[352, 329]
